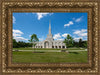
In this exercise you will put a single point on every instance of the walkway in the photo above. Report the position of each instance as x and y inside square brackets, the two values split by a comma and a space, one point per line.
[50, 50]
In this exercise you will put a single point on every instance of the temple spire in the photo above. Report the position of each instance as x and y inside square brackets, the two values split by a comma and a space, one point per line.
[49, 27]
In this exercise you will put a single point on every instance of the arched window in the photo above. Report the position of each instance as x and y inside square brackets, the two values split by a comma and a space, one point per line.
[55, 46]
[52, 46]
[63, 46]
[59, 46]
[46, 44]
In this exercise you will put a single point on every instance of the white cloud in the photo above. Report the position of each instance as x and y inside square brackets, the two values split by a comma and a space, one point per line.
[82, 32]
[41, 15]
[77, 39]
[70, 23]
[14, 19]
[14, 34]
[57, 36]
[17, 31]
[64, 35]
[20, 39]
[79, 19]
[17, 34]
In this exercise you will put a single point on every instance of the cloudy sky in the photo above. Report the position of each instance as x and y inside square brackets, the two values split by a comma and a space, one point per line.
[62, 24]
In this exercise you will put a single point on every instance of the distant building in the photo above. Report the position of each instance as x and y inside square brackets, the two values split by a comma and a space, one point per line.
[49, 42]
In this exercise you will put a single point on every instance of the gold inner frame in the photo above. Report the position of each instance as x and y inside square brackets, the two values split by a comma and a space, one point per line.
[49, 64]
[9, 7]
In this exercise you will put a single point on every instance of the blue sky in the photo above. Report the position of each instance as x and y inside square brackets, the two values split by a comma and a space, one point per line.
[62, 24]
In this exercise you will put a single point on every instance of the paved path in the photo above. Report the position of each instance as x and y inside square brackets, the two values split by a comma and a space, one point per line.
[50, 50]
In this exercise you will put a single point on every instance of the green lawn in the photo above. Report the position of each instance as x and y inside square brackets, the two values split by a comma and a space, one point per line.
[49, 48]
[35, 48]
[50, 57]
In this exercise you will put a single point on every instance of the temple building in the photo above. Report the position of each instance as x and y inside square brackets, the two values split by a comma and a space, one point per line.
[49, 42]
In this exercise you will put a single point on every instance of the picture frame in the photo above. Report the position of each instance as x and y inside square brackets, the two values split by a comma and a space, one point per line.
[8, 7]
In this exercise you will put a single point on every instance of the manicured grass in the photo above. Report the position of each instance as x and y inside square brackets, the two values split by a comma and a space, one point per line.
[50, 57]
[48, 49]
[35, 49]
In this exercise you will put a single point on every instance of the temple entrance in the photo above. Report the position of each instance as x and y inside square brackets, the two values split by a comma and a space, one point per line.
[46, 44]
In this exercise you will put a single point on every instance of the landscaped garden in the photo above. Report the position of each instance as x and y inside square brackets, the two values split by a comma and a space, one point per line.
[44, 56]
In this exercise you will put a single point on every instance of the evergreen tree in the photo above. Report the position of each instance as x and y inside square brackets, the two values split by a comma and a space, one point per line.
[80, 42]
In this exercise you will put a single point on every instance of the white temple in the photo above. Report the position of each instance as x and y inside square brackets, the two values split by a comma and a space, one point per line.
[49, 42]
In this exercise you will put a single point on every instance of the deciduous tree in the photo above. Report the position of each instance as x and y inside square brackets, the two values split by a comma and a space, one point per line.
[69, 41]
[34, 39]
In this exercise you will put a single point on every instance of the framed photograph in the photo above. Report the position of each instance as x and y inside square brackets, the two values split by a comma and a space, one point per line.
[53, 42]
[49, 37]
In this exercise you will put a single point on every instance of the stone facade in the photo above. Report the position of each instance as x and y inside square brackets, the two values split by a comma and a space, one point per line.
[49, 42]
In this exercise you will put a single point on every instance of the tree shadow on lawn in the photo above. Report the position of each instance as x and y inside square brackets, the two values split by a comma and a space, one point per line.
[38, 52]
[74, 52]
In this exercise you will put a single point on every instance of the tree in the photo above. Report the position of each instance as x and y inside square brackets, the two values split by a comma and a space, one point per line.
[15, 45]
[33, 40]
[69, 41]
[85, 44]
[76, 44]
[80, 42]
[20, 44]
